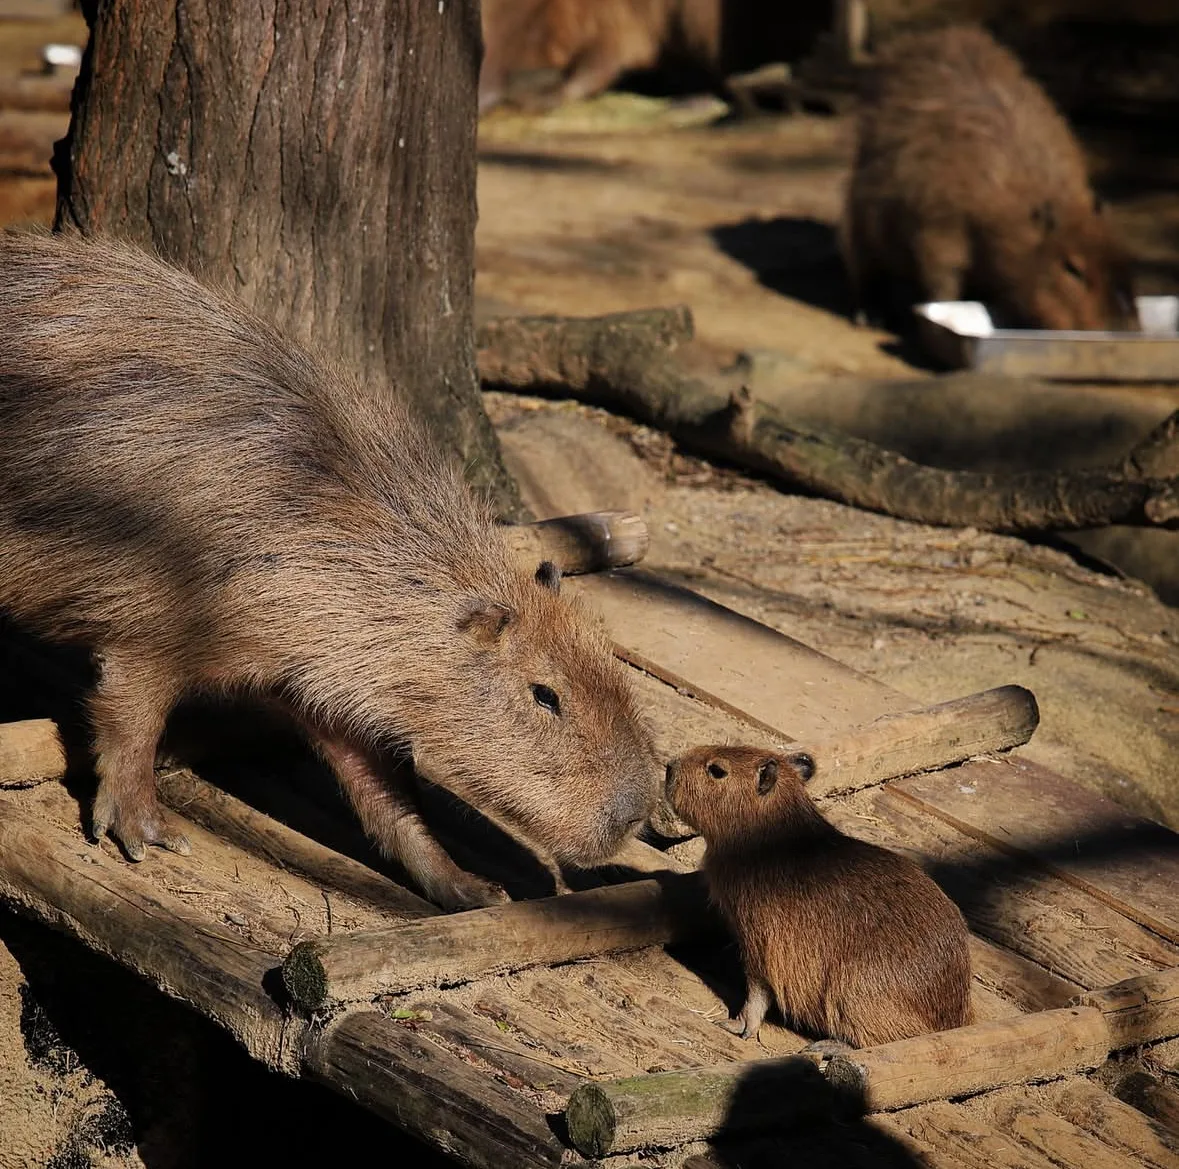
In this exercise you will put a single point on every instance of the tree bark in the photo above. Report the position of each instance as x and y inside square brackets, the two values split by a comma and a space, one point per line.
[318, 158]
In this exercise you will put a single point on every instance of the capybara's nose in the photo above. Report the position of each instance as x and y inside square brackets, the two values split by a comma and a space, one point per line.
[632, 807]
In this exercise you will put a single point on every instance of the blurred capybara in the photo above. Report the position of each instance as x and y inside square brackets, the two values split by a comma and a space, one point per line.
[211, 509]
[851, 941]
[969, 185]
[544, 52]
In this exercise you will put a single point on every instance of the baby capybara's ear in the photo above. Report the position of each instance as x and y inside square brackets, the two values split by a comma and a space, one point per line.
[804, 764]
[767, 777]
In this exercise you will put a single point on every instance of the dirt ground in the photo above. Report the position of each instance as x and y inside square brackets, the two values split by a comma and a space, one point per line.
[606, 208]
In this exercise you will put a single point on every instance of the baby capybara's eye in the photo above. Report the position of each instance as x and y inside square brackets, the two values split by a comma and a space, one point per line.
[716, 770]
[547, 697]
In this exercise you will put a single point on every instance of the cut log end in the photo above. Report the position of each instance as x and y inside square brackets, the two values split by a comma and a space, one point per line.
[305, 978]
[592, 542]
[591, 1121]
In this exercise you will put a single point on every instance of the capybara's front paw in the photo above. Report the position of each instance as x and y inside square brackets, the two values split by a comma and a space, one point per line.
[135, 824]
[466, 891]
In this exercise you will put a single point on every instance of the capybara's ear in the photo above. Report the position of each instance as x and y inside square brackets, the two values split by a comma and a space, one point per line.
[549, 575]
[804, 764]
[767, 777]
[485, 621]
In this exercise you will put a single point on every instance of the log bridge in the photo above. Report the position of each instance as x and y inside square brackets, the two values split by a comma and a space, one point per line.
[581, 1028]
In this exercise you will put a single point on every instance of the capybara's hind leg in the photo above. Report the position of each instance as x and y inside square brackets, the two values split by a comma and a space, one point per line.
[757, 1003]
[127, 712]
[388, 814]
[941, 255]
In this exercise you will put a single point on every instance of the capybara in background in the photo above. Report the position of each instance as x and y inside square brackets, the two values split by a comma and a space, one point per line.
[576, 48]
[851, 941]
[968, 185]
[551, 51]
[211, 509]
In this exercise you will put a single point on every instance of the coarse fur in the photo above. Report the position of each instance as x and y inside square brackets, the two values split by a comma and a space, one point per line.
[968, 185]
[211, 508]
[852, 942]
[571, 49]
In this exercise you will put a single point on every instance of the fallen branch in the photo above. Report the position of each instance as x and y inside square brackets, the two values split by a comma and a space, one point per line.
[592, 542]
[623, 363]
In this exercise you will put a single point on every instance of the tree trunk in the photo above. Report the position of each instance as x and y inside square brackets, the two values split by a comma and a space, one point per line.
[317, 157]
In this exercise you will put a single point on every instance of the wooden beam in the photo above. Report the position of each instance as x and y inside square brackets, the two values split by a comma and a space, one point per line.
[925, 739]
[1130, 863]
[1139, 1010]
[1116, 1123]
[30, 751]
[445, 951]
[619, 1116]
[730, 661]
[430, 1093]
[259, 834]
[590, 542]
[59, 879]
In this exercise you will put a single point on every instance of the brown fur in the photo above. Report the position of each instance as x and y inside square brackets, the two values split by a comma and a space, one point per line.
[213, 509]
[968, 184]
[850, 940]
[580, 47]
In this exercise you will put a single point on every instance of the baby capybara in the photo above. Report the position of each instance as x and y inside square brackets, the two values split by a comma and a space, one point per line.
[212, 509]
[968, 185]
[852, 942]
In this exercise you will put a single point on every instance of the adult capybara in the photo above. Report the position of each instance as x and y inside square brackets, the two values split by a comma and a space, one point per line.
[968, 185]
[214, 510]
[850, 940]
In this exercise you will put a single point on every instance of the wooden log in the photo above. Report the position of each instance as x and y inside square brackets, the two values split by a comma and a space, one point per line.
[430, 1093]
[1139, 1010]
[924, 740]
[446, 951]
[104, 902]
[1115, 1122]
[698, 1103]
[972, 1059]
[46, 92]
[259, 834]
[1151, 1096]
[591, 542]
[670, 1108]
[30, 751]
[957, 1140]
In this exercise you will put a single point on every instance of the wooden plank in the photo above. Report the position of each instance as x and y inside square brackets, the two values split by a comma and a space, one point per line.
[536, 1030]
[1020, 981]
[730, 661]
[476, 1034]
[1058, 1139]
[1118, 1125]
[262, 836]
[1007, 899]
[30, 751]
[1153, 1096]
[55, 877]
[448, 950]
[958, 1139]
[431, 1093]
[1129, 863]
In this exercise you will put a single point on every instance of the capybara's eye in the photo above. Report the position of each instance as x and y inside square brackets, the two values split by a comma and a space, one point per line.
[716, 770]
[546, 696]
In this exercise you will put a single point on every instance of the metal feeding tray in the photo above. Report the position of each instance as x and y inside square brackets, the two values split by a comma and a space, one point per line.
[960, 333]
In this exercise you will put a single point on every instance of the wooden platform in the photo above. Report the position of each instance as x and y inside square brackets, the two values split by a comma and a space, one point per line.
[1065, 894]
